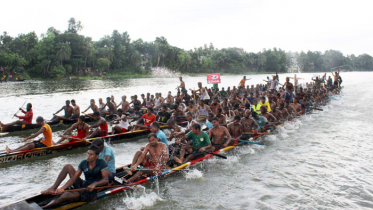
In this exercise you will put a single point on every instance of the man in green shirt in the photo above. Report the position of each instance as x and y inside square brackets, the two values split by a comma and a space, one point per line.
[200, 142]
[223, 93]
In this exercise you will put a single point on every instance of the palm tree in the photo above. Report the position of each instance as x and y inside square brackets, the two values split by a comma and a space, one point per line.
[87, 50]
[64, 52]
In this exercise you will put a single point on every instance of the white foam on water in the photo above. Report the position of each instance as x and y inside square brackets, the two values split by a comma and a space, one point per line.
[140, 199]
[193, 174]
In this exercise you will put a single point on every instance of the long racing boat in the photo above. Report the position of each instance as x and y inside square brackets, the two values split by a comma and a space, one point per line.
[37, 152]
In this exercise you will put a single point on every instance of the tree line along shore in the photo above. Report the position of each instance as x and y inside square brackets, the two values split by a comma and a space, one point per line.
[68, 54]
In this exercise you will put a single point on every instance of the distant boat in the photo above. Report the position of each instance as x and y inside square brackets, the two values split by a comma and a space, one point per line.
[21, 80]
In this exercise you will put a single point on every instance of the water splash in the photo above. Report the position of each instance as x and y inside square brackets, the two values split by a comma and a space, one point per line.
[139, 198]
[193, 174]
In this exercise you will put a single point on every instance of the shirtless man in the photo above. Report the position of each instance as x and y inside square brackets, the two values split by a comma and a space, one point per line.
[317, 83]
[111, 106]
[214, 105]
[289, 90]
[290, 109]
[178, 113]
[92, 106]
[101, 105]
[204, 96]
[269, 116]
[182, 87]
[102, 128]
[222, 119]
[295, 78]
[76, 112]
[284, 112]
[69, 110]
[248, 125]
[175, 129]
[169, 100]
[192, 109]
[233, 101]
[297, 106]
[279, 99]
[113, 101]
[235, 128]
[125, 104]
[336, 77]
[154, 156]
[277, 114]
[238, 110]
[218, 134]
[82, 129]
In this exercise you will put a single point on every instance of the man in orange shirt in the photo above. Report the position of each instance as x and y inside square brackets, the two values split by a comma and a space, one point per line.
[149, 118]
[242, 82]
[46, 142]
[27, 119]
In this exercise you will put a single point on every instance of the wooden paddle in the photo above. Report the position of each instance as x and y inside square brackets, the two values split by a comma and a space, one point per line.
[317, 109]
[96, 188]
[258, 133]
[211, 153]
[247, 141]
[163, 169]
[19, 109]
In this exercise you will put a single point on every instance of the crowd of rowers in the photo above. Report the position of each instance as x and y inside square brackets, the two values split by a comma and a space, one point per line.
[232, 115]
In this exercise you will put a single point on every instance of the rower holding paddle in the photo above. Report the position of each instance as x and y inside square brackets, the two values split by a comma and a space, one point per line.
[101, 126]
[23, 120]
[122, 123]
[69, 111]
[197, 147]
[92, 106]
[47, 142]
[219, 135]
[82, 129]
[96, 174]
[154, 156]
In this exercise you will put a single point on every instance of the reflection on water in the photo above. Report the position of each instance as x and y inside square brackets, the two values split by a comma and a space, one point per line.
[321, 161]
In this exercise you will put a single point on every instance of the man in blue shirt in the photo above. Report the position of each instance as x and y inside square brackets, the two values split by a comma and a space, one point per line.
[155, 128]
[107, 154]
[95, 173]
[251, 98]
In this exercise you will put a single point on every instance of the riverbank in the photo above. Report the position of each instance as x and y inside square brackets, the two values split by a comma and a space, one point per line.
[113, 76]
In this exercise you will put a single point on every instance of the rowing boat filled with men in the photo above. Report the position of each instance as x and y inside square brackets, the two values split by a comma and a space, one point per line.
[233, 117]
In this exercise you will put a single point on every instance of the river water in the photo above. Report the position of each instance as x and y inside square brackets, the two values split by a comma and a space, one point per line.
[321, 161]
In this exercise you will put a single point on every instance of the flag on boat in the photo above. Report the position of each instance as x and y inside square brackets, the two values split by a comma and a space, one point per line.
[213, 78]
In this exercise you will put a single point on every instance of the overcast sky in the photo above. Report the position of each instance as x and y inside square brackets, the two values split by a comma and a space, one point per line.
[316, 25]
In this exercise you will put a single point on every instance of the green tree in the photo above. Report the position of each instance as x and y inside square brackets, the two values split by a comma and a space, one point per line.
[63, 52]
[103, 63]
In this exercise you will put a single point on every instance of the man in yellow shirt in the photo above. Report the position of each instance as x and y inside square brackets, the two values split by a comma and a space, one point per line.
[264, 103]
[46, 142]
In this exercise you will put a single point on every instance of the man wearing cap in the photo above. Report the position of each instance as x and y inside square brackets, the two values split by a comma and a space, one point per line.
[46, 142]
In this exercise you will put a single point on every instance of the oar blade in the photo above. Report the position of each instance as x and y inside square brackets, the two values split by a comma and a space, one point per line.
[218, 155]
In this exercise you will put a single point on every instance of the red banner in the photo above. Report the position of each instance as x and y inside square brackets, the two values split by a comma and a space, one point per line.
[213, 78]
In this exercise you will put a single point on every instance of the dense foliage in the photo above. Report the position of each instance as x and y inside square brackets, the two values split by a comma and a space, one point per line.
[58, 54]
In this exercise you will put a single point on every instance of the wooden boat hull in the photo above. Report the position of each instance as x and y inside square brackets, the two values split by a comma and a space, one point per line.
[4, 158]
[15, 128]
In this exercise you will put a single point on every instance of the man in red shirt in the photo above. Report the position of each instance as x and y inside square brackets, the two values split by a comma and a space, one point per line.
[148, 118]
[23, 120]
